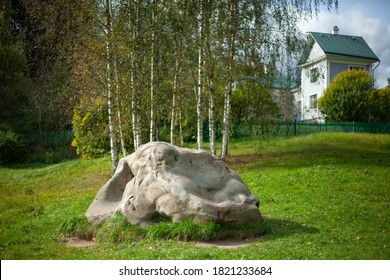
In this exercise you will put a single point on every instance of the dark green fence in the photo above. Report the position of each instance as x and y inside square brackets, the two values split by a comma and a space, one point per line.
[51, 139]
[241, 129]
[298, 128]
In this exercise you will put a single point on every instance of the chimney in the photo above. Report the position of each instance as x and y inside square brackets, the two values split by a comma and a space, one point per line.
[335, 30]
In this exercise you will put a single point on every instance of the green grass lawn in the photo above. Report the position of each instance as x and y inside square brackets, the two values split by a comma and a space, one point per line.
[324, 196]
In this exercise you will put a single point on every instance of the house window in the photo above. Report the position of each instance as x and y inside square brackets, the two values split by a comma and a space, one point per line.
[313, 101]
[357, 67]
[314, 75]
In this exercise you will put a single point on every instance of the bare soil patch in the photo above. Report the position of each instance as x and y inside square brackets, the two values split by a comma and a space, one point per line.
[244, 159]
[76, 242]
[229, 243]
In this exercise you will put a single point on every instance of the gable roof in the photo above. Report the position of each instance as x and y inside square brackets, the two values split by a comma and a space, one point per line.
[338, 45]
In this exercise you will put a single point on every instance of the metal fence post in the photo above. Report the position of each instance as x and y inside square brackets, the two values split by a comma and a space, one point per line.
[295, 127]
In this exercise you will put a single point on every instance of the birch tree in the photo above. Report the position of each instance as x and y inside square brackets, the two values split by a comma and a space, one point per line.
[199, 101]
[152, 83]
[119, 110]
[177, 28]
[210, 69]
[110, 95]
[134, 75]
[175, 89]
[231, 51]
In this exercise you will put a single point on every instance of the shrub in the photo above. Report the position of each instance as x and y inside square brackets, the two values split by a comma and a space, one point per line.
[380, 105]
[12, 149]
[347, 97]
[51, 154]
[90, 131]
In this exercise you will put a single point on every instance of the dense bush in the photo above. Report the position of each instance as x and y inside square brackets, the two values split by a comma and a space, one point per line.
[380, 105]
[90, 130]
[12, 149]
[347, 97]
[254, 103]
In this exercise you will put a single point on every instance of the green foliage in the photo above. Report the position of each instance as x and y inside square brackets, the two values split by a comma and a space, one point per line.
[253, 103]
[379, 101]
[245, 97]
[90, 130]
[11, 146]
[347, 97]
[53, 55]
[14, 82]
[34, 100]
[52, 101]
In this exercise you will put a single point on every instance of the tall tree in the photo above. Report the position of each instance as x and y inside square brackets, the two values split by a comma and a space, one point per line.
[231, 52]
[152, 82]
[199, 101]
[136, 95]
[110, 93]
[14, 80]
[210, 69]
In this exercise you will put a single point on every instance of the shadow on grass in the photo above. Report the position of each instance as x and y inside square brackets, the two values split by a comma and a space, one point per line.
[284, 228]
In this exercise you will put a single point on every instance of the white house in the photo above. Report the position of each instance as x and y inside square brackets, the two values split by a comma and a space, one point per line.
[325, 56]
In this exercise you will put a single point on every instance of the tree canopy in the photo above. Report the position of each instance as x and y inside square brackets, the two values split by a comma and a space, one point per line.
[120, 73]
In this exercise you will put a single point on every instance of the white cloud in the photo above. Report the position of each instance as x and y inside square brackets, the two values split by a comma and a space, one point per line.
[358, 20]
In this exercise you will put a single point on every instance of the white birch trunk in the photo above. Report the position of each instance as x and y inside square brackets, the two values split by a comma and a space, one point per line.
[212, 128]
[226, 120]
[133, 113]
[229, 86]
[174, 94]
[136, 96]
[211, 92]
[119, 110]
[199, 104]
[152, 128]
[180, 120]
[137, 120]
[110, 98]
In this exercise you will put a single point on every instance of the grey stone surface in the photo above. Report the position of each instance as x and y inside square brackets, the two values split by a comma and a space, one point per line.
[163, 180]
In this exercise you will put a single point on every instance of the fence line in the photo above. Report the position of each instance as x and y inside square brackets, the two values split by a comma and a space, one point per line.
[247, 129]
[52, 138]
[240, 129]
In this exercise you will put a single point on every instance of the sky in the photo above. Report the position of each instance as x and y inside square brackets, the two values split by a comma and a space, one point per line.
[369, 19]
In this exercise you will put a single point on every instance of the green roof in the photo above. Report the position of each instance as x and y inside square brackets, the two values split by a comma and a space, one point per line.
[339, 45]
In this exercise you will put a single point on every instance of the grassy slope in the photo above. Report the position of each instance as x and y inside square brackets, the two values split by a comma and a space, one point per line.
[325, 196]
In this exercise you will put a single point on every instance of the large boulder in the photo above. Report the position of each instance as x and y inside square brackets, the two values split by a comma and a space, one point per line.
[160, 180]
